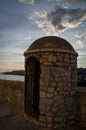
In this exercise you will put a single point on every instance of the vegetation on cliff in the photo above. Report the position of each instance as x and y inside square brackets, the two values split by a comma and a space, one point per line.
[15, 72]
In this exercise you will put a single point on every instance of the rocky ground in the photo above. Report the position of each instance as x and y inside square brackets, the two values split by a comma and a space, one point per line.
[11, 118]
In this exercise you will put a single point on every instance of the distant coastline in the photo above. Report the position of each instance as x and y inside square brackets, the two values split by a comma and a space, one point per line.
[80, 72]
[81, 75]
[15, 72]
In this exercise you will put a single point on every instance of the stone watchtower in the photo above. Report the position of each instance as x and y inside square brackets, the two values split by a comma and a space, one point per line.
[50, 82]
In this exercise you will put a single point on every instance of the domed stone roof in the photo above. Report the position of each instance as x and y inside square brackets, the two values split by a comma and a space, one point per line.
[50, 42]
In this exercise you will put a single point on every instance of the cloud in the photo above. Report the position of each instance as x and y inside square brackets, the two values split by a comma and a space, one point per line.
[59, 20]
[81, 1]
[70, 3]
[63, 19]
[27, 1]
[80, 44]
[69, 0]
[26, 38]
[81, 36]
[40, 19]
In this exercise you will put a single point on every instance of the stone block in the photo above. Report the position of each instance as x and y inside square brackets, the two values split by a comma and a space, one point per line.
[57, 98]
[49, 125]
[50, 95]
[54, 109]
[51, 90]
[62, 125]
[60, 84]
[42, 109]
[52, 58]
[49, 101]
[49, 119]
[42, 124]
[43, 88]
[60, 58]
[44, 81]
[55, 73]
[71, 117]
[67, 74]
[42, 118]
[56, 126]
[71, 122]
[50, 113]
[66, 59]
[59, 88]
[61, 93]
[55, 93]
[59, 64]
[42, 94]
[58, 119]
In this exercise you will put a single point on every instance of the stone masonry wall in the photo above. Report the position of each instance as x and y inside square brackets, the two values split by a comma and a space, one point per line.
[58, 83]
[12, 91]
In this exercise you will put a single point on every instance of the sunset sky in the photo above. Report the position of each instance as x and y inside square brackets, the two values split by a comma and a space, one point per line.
[23, 21]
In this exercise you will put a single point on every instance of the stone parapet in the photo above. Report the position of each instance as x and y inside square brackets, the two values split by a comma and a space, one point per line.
[12, 92]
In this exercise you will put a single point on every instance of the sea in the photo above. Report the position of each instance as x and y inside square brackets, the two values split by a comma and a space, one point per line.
[12, 77]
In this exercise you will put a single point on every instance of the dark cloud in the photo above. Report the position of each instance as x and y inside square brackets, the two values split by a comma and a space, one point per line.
[71, 3]
[82, 1]
[60, 19]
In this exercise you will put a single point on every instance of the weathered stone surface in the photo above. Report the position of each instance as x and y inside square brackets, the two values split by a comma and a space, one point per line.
[57, 98]
[51, 114]
[51, 90]
[49, 125]
[50, 119]
[59, 88]
[49, 95]
[42, 109]
[12, 91]
[42, 118]
[60, 58]
[67, 74]
[60, 85]
[52, 58]
[66, 59]
[62, 125]
[54, 109]
[49, 101]
[59, 64]
[43, 88]
[44, 84]
[42, 94]
[58, 119]
[71, 117]
[43, 124]
[57, 126]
